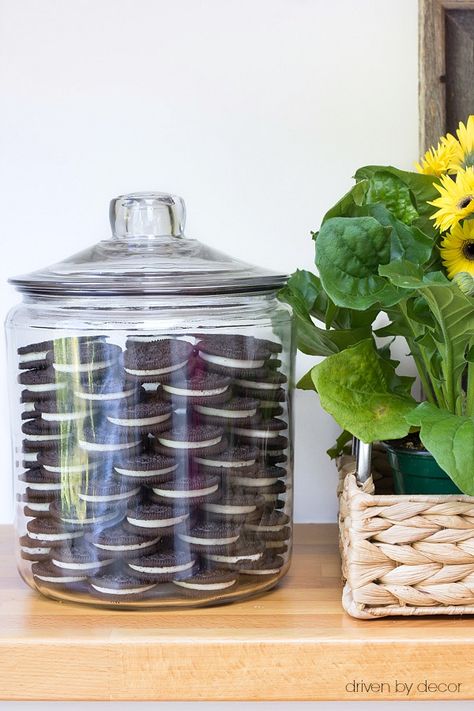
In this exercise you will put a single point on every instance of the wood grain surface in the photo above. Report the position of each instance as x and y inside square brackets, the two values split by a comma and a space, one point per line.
[293, 643]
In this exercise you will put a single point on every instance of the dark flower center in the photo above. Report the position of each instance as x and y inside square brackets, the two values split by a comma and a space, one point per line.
[465, 202]
[468, 250]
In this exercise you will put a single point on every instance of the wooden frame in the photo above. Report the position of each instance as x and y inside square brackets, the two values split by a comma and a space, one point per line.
[432, 67]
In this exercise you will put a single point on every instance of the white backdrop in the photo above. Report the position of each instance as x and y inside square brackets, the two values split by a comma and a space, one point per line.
[257, 112]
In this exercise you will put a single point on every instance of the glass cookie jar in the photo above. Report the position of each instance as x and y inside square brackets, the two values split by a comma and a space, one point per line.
[151, 419]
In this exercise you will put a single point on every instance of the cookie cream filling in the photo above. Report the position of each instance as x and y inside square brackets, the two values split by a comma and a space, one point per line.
[119, 395]
[205, 586]
[122, 591]
[185, 493]
[107, 446]
[258, 385]
[91, 565]
[261, 434]
[207, 541]
[35, 551]
[221, 464]
[231, 414]
[56, 486]
[44, 437]
[175, 444]
[64, 416]
[38, 507]
[71, 468]
[30, 456]
[252, 481]
[157, 371]
[45, 387]
[139, 422]
[229, 508]
[162, 570]
[92, 519]
[145, 472]
[158, 522]
[29, 407]
[109, 497]
[231, 362]
[63, 536]
[129, 547]
[185, 392]
[261, 571]
[29, 357]
[83, 367]
[232, 558]
[61, 579]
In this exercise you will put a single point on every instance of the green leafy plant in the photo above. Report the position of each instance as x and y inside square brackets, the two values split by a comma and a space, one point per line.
[400, 244]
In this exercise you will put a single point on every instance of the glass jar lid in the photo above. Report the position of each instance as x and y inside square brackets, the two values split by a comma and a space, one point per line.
[148, 253]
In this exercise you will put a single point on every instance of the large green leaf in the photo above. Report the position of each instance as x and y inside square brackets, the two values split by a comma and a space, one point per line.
[349, 252]
[450, 439]
[361, 390]
[386, 188]
[420, 186]
[345, 206]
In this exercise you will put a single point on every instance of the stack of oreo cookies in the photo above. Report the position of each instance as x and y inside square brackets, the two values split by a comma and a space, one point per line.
[156, 470]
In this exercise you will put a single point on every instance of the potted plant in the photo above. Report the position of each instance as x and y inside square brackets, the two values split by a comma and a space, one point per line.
[398, 246]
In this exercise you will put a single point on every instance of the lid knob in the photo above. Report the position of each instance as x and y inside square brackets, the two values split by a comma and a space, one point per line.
[147, 214]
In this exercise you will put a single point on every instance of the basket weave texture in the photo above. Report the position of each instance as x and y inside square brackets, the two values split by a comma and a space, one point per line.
[403, 554]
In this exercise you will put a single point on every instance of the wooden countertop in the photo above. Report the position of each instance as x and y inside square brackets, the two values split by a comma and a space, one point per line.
[294, 643]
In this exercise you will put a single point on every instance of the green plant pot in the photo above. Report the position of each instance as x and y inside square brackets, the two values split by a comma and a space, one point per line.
[416, 472]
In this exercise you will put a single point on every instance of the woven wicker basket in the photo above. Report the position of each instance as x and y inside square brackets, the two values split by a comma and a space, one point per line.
[403, 554]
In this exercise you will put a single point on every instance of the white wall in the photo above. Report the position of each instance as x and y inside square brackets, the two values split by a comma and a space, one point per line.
[256, 111]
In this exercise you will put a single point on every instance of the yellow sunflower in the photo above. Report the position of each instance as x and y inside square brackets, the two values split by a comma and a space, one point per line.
[457, 250]
[456, 201]
[437, 161]
[463, 147]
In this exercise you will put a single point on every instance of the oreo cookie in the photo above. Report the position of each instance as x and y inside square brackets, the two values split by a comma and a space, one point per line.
[100, 490]
[40, 480]
[147, 468]
[235, 354]
[43, 435]
[243, 552]
[237, 410]
[164, 566]
[49, 574]
[41, 384]
[198, 389]
[37, 503]
[66, 410]
[28, 411]
[119, 542]
[267, 386]
[65, 462]
[155, 519]
[78, 557]
[119, 587]
[151, 416]
[237, 458]
[210, 535]
[233, 506]
[187, 490]
[269, 525]
[155, 361]
[207, 582]
[34, 550]
[103, 438]
[268, 565]
[34, 355]
[191, 439]
[72, 356]
[86, 516]
[258, 479]
[52, 532]
[106, 389]
[263, 433]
